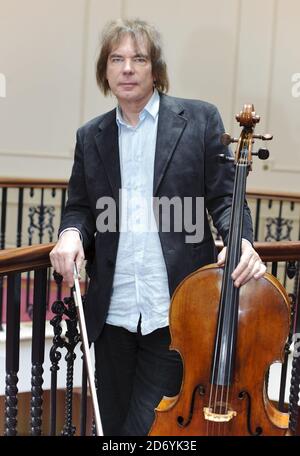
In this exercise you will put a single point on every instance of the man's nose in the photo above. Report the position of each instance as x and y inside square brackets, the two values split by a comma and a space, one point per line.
[128, 66]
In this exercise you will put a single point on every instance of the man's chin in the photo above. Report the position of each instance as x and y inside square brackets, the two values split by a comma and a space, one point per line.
[128, 96]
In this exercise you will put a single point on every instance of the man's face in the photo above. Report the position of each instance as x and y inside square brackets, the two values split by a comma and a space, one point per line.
[129, 71]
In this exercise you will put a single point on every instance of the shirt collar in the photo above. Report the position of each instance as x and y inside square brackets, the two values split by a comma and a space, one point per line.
[152, 108]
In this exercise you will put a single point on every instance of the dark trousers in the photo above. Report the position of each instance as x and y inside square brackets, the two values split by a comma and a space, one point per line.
[134, 372]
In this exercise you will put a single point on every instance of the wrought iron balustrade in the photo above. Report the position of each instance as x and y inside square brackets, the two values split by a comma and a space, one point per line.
[13, 262]
[276, 215]
[35, 207]
[31, 210]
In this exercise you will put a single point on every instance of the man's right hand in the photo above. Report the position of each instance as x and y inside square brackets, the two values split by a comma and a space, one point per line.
[67, 250]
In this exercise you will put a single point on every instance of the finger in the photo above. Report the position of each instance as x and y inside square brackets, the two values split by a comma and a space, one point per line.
[53, 259]
[254, 268]
[261, 271]
[243, 270]
[241, 281]
[222, 256]
[248, 277]
[60, 264]
[57, 263]
[247, 260]
[79, 262]
[69, 271]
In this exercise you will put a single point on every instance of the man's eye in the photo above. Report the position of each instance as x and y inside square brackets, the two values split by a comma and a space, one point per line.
[140, 59]
[116, 59]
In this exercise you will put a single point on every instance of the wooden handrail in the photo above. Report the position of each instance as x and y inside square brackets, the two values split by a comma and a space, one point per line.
[278, 251]
[37, 256]
[22, 259]
[12, 182]
[275, 251]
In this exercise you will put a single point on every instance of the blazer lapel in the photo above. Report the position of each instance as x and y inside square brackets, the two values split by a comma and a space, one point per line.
[171, 125]
[108, 147]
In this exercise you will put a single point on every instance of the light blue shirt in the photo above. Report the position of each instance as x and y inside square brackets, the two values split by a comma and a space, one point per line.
[140, 285]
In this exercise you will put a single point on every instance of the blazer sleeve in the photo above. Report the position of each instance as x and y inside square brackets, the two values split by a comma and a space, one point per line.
[219, 180]
[77, 213]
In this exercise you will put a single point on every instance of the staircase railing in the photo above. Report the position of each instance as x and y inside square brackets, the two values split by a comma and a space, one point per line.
[14, 262]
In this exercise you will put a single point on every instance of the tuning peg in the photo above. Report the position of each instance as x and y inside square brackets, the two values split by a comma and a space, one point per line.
[226, 139]
[266, 137]
[225, 158]
[262, 153]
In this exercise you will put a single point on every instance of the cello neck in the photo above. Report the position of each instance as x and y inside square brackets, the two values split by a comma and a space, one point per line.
[223, 365]
[224, 350]
[236, 220]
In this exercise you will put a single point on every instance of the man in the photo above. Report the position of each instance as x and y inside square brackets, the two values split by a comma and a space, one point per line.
[150, 145]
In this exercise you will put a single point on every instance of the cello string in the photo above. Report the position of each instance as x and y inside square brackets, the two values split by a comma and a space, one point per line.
[218, 393]
[227, 395]
[243, 171]
[216, 369]
[234, 303]
[214, 389]
[243, 174]
[221, 409]
[219, 335]
[230, 295]
[230, 301]
[219, 405]
[215, 407]
[209, 407]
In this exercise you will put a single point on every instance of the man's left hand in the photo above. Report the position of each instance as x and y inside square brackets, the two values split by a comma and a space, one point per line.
[250, 264]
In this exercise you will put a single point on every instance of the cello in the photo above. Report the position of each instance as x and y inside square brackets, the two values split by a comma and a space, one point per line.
[227, 337]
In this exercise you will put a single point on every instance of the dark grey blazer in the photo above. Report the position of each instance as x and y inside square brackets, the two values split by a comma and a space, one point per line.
[188, 141]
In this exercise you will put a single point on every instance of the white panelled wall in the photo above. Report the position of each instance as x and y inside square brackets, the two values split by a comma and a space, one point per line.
[228, 52]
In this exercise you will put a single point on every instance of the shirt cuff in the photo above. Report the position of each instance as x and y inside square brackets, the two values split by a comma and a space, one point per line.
[71, 229]
[244, 239]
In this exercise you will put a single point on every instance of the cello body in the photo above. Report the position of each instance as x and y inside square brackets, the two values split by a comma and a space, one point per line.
[193, 321]
[227, 337]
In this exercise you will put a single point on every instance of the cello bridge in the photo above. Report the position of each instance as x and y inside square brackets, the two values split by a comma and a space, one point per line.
[218, 417]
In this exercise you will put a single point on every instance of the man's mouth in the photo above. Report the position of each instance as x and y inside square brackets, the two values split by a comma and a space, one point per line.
[128, 84]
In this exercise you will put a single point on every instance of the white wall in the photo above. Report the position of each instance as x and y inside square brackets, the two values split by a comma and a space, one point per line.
[228, 52]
